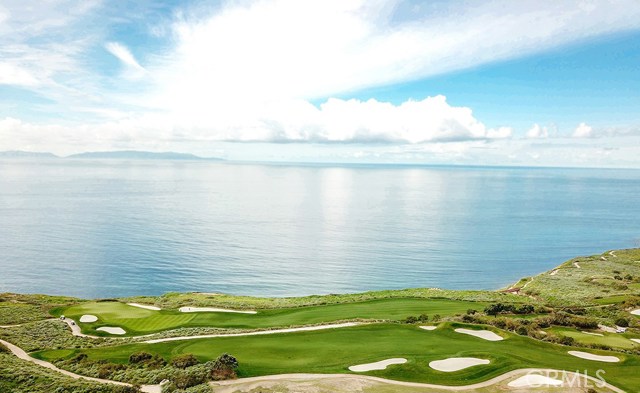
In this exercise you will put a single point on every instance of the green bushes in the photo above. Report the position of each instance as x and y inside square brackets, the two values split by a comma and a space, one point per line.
[184, 361]
[140, 357]
[499, 308]
[224, 367]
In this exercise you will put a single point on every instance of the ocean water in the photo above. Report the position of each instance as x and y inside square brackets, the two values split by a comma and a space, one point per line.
[94, 228]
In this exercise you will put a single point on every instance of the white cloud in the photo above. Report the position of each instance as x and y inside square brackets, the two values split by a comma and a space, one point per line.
[293, 49]
[583, 131]
[537, 132]
[249, 70]
[13, 75]
[126, 57]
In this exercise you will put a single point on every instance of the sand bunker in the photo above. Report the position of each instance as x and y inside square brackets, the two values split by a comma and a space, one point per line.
[483, 334]
[428, 327]
[534, 380]
[590, 356]
[381, 365]
[153, 308]
[112, 330]
[456, 364]
[636, 312]
[88, 318]
[593, 334]
[635, 340]
[214, 309]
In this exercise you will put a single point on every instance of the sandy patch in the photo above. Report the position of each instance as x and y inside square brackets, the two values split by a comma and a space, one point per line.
[428, 327]
[577, 265]
[483, 334]
[112, 330]
[534, 380]
[635, 340]
[381, 365]
[554, 272]
[593, 334]
[590, 356]
[88, 318]
[606, 328]
[214, 309]
[636, 312]
[152, 308]
[456, 364]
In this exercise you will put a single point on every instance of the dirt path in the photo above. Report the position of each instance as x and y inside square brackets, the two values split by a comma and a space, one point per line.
[21, 354]
[258, 333]
[292, 377]
[576, 265]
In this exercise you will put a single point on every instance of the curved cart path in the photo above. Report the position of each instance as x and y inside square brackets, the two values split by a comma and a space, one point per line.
[20, 353]
[500, 378]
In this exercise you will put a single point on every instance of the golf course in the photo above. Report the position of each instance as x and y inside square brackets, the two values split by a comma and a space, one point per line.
[425, 338]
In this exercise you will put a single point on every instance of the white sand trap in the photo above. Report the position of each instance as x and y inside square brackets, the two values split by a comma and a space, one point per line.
[635, 340]
[636, 312]
[153, 308]
[590, 356]
[214, 309]
[483, 334]
[112, 330]
[456, 364]
[88, 318]
[554, 272]
[534, 380]
[593, 334]
[381, 365]
[428, 327]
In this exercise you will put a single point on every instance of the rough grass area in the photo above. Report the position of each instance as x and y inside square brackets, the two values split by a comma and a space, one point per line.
[607, 278]
[174, 300]
[17, 308]
[333, 351]
[48, 334]
[19, 376]
[141, 321]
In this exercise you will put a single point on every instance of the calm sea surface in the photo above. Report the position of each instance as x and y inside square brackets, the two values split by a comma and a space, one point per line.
[115, 228]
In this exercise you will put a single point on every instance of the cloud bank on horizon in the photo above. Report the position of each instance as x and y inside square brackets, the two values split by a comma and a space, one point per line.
[203, 76]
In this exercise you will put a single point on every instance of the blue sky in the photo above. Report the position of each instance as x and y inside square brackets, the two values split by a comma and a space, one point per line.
[442, 82]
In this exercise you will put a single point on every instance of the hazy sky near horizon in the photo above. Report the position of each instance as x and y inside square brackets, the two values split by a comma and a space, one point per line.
[442, 82]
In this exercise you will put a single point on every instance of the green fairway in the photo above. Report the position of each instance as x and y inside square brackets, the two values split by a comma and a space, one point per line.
[137, 321]
[334, 350]
[614, 340]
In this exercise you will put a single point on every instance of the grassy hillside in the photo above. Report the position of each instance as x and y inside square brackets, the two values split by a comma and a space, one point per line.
[611, 277]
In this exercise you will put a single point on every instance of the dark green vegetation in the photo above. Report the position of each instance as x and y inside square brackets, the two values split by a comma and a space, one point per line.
[18, 376]
[333, 351]
[541, 317]
[140, 321]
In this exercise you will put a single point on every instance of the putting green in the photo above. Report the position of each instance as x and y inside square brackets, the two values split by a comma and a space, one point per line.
[334, 350]
[138, 321]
